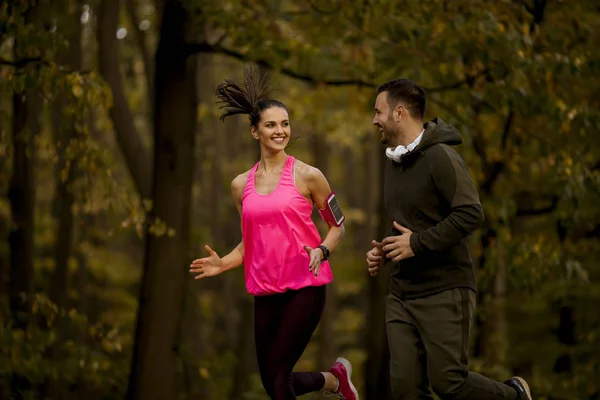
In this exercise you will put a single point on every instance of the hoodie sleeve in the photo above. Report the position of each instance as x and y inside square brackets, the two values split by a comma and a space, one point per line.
[452, 180]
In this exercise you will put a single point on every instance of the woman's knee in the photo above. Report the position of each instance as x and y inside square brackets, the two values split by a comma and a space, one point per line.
[278, 384]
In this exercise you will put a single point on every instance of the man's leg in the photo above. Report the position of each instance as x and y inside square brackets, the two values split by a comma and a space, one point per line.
[408, 364]
[444, 321]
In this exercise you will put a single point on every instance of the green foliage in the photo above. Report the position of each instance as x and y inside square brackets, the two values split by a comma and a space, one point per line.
[91, 356]
[520, 83]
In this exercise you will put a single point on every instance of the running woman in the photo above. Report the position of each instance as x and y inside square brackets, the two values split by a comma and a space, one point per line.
[285, 262]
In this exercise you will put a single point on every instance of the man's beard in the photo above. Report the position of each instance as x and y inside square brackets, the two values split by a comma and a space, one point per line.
[388, 136]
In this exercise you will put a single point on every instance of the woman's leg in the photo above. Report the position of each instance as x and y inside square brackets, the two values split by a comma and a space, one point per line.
[267, 313]
[289, 335]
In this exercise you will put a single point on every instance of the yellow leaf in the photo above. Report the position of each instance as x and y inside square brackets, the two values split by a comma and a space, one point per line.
[568, 161]
[77, 89]
[204, 373]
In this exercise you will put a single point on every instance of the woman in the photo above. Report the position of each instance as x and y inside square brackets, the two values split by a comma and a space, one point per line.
[285, 262]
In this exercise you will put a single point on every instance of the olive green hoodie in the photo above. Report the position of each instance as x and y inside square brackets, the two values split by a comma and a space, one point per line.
[431, 193]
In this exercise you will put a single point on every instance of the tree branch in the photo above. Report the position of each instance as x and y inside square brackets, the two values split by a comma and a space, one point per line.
[22, 62]
[530, 212]
[507, 125]
[594, 233]
[492, 175]
[221, 39]
[494, 169]
[205, 47]
[141, 39]
[209, 48]
[313, 5]
[528, 7]
[137, 156]
[537, 12]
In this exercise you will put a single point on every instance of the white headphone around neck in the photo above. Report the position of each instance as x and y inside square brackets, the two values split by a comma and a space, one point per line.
[397, 153]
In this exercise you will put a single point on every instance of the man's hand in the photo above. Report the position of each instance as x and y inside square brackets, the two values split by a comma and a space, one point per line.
[398, 248]
[375, 258]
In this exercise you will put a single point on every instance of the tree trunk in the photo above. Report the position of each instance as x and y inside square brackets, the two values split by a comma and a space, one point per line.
[488, 235]
[21, 195]
[244, 350]
[355, 198]
[218, 200]
[327, 346]
[143, 46]
[480, 343]
[368, 158]
[565, 334]
[137, 156]
[64, 134]
[5, 220]
[496, 326]
[64, 131]
[154, 364]
[377, 382]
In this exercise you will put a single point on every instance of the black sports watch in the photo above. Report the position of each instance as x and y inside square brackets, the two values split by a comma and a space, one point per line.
[325, 251]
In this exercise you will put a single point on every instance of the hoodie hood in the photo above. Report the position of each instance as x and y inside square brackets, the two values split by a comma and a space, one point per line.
[437, 131]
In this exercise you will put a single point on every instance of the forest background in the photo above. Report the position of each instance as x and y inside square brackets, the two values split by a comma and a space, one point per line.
[115, 171]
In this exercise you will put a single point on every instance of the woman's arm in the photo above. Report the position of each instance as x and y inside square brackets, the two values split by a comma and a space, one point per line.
[319, 189]
[235, 258]
[213, 264]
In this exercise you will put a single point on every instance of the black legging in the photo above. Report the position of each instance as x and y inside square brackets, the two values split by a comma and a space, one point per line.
[284, 324]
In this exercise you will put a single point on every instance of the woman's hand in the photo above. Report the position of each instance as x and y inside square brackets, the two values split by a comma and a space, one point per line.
[316, 256]
[207, 266]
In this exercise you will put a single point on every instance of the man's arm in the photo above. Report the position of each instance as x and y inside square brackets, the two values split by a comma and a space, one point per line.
[451, 177]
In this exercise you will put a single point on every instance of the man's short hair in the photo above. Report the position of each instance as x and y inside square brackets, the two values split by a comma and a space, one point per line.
[407, 92]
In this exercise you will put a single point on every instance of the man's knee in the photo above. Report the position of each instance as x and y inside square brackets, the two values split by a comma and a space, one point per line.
[403, 385]
[404, 393]
[447, 385]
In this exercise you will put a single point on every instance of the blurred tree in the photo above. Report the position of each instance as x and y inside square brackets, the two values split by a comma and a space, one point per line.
[518, 78]
[22, 193]
[154, 364]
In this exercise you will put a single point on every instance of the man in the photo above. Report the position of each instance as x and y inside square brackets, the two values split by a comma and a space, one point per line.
[434, 207]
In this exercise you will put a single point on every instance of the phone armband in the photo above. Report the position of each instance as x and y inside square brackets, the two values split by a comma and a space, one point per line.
[333, 212]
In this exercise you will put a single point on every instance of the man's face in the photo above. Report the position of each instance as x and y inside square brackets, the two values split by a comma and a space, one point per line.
[384, 120]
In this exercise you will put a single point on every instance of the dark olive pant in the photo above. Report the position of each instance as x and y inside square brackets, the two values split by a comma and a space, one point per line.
[428, 339]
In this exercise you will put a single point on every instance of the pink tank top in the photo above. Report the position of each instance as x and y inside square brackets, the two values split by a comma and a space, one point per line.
[275, 229]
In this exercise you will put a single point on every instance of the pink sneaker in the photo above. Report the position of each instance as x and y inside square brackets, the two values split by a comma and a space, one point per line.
[342, 369]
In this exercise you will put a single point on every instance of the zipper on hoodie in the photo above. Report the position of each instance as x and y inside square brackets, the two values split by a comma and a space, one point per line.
[398, 187]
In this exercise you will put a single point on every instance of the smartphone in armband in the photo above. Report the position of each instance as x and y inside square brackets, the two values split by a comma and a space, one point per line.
[333, 212]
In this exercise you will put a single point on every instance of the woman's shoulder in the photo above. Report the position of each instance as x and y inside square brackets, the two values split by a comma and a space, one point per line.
[306, 171]
[239, 183]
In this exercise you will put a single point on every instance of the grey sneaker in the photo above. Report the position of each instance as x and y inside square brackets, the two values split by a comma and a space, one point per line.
[522, 388]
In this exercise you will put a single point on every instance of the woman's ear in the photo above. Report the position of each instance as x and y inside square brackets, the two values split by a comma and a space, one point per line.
[254, 132]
